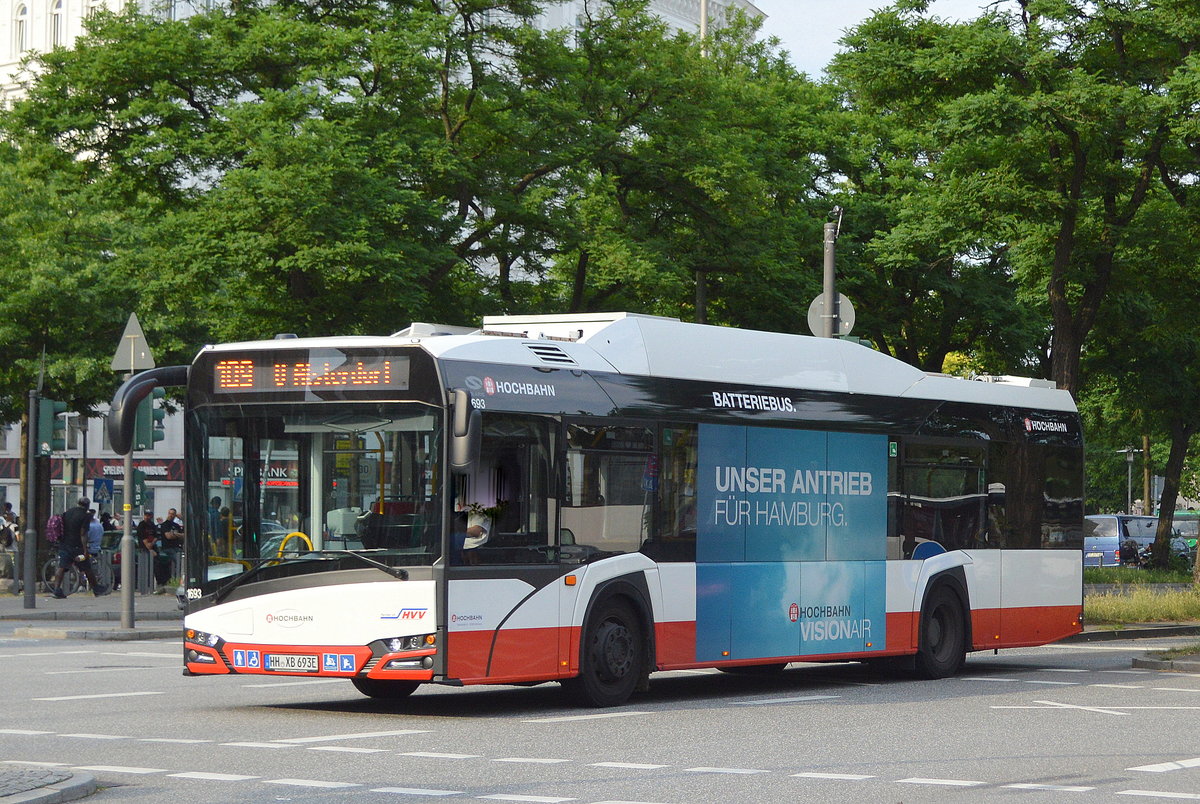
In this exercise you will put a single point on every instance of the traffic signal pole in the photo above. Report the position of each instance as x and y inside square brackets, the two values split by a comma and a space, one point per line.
[29, 543]
[127, 557]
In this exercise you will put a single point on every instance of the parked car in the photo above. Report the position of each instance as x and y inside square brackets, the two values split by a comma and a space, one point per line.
[1103, 535]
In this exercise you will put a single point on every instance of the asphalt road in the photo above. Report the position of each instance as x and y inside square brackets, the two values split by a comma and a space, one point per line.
[1062, 723]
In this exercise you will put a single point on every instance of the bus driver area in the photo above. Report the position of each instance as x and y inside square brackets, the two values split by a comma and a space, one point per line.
[653, 497]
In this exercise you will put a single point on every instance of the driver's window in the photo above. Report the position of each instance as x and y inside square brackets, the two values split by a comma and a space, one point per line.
[505, 510]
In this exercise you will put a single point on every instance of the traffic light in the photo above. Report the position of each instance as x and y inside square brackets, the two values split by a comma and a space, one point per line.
[147, 428]
[51, 426]
[138, 488]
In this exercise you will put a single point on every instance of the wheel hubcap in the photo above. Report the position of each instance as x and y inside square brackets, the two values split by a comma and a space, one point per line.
[614, 651]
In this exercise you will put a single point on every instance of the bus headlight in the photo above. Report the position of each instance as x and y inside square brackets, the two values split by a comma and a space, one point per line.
[405, 643]
[398, 644]
[201, 637]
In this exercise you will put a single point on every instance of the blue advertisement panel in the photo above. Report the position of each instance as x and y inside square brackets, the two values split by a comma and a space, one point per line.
[791, 540]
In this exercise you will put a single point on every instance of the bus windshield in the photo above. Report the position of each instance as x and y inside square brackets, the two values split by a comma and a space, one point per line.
[294, 485]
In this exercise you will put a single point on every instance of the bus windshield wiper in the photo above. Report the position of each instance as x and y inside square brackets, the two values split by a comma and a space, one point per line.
[395, 572]
[238, 580]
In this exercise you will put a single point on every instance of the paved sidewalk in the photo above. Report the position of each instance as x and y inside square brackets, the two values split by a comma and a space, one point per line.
[85, 616]
[44, 786]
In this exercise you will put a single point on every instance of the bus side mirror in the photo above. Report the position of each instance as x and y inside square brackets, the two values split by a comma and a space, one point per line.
[465, 433]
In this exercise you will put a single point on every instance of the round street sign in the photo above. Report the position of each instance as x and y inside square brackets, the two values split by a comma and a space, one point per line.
[816, 312]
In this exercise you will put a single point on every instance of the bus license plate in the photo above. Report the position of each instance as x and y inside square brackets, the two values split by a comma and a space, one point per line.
[291, 662]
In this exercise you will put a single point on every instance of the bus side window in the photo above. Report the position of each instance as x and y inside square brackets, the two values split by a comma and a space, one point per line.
[674, 537]
[610, 477]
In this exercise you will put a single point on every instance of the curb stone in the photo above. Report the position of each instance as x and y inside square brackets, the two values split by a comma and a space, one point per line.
[44, 786]
[1182, 665]
[110, 634]
[1135, 632]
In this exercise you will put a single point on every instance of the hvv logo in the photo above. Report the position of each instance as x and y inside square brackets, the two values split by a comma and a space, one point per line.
[406, 614]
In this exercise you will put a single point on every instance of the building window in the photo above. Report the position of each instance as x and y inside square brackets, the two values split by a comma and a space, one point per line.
[56, 24]
[19, 29]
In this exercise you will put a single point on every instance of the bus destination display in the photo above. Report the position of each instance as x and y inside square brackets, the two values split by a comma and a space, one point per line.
[314, 372]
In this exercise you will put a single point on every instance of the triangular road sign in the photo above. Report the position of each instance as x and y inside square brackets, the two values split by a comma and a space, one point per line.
[133, 353]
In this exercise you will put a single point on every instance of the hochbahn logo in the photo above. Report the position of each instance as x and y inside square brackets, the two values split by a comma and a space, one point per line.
[1038, 426]
[492, 387]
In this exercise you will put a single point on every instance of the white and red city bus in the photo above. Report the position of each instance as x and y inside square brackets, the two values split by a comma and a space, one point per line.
[591, 498]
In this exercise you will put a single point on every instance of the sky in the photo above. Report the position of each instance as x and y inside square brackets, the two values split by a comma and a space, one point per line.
[809, 29]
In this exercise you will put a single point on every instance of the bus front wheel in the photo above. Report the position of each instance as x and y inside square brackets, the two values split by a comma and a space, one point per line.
[385, 689]
[943, 647]
[613, 657]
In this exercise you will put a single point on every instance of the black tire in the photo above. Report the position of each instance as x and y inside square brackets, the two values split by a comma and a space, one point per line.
[385, 689]
[943, 639]
[612, 658]
[755, 669]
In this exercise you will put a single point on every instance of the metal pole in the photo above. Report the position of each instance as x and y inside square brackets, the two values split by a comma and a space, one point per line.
[829, 318]
[29, 543]
[704, 27]
[1129, 482]
[127, 554]
[1149, 506]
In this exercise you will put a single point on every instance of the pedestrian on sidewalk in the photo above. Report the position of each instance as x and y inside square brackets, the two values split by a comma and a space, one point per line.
[148, 540]
[72, 549]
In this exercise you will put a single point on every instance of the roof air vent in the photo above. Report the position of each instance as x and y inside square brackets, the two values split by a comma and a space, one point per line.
[549, 353]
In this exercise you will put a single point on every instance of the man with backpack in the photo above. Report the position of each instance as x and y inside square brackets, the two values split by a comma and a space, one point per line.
[72, 549]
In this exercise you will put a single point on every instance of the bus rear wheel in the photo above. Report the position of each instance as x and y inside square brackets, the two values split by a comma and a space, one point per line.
[385, 689]
[943, 647]
[613, 657]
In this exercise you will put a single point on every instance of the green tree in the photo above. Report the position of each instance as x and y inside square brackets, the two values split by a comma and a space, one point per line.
[1057, 114]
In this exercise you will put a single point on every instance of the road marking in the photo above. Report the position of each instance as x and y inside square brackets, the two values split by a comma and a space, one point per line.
[532, 760]
[1174, 689]
[943, 782]
[1127, 672]
[1168, 766]
[1053, 705]
[120, 769]
[83, 736]
[628, 765]
[105, 695]
[985, 678]
[725, 770]
[1055, 683]
[569, 718]
[180, 740]
[1120, 686]
[356, 736]
[1056, 788]
[415, 791]
[259, 745]
[293, 683]
[104, 670]
[845, 777]
[47, 653]
[785, 700]
[345, 749]
[311, 783]
[536, 799]
[1063, 670]
[214, 777]
[435, 755]
[174, 656]
[27, 732]
[1158, 794]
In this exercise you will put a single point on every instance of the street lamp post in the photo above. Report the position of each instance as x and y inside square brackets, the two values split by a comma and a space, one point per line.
[1128, 452]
